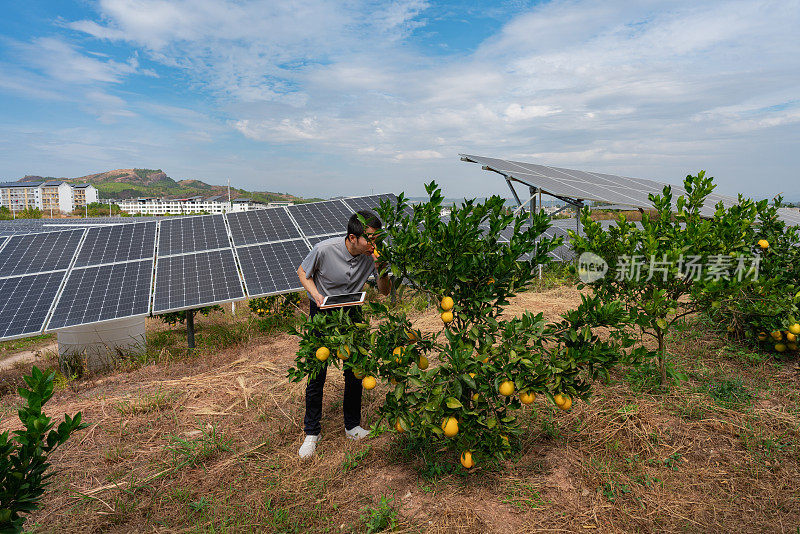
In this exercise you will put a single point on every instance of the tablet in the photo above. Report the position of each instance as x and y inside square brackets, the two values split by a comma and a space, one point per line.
[345, 299]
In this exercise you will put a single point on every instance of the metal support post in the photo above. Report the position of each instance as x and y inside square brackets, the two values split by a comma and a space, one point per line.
[190, 328]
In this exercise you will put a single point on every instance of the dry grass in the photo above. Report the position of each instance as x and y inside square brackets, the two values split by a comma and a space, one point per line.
[208, 443]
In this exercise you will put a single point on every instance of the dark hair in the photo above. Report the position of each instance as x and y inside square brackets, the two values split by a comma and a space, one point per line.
[355, 227]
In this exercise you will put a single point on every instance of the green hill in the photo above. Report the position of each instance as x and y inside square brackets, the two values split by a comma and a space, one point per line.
[132, 183]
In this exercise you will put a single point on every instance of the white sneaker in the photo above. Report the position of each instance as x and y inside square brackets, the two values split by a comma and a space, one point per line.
[308, 447]
[357, 433]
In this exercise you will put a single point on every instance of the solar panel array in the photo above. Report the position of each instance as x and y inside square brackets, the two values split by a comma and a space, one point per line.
[575, 184]
[52, 277]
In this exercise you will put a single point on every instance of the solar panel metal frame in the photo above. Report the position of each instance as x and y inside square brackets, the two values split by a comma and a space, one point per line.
[182, 220]
[319, 238]
[145, 313]
[281, 210]
[80, 232]
[150, 256]
[296, 210]
[154, 291]
[358, 203]
[248, 290]
[46, 318]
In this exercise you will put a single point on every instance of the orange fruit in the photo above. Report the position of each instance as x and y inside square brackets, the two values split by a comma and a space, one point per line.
[369, 382]
[777, 335]
[791, 338]
[780, 347]
[762, 336]
[795, 329]
[791, 346]
[447, 317]
[527, 397]
[763, 243]
[323, 353]
[422, 363]
[411, 335]
[343, 353]
[398, 426]
[466, 459]
[447, 304]
[506, 388]
[560, 399]
[450, 426]
[567, 404]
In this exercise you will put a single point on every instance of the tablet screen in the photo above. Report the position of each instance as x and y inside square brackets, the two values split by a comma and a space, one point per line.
[344, 299]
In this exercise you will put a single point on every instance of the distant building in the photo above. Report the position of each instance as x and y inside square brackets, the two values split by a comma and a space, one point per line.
[50, 195]
[178, 206]
[280, 203]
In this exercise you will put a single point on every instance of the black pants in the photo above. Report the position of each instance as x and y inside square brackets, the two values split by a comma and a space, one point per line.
[352, 390]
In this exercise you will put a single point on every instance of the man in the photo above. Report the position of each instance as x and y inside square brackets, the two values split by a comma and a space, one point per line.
[334, 266]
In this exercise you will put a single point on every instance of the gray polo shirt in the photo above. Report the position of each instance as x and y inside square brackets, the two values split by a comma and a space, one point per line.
[336, 271]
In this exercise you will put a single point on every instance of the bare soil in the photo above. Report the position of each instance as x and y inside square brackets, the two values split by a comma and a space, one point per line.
[209, 443]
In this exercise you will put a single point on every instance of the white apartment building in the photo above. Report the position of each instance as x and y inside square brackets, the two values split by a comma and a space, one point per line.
[177, 206]
[48, 196]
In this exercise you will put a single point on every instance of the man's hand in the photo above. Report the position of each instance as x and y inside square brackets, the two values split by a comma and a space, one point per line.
[309, 286]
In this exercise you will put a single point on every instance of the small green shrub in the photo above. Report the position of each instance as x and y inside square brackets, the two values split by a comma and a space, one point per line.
[23, 458]
[381, 517]
[730, 392]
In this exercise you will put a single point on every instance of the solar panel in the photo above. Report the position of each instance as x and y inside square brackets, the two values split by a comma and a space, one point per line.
[314, 240]
[261, 226]
[94, 294]
[25, 302]
[321, 218]
[192, 280]
[371, 202]
[584, 185]
[123, 242]
[790, 216]
[192, 234]
[272, 268]
[36, 253]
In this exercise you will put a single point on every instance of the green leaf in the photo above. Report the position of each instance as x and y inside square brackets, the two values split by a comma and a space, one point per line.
[452, 402]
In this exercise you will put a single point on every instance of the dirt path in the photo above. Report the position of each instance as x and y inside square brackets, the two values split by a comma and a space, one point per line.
[26, 356]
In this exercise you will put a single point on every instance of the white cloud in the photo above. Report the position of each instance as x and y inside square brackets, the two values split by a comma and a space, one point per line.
[598, 84]
[61, 61]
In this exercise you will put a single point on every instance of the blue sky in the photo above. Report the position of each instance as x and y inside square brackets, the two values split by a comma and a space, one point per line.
[324, 98]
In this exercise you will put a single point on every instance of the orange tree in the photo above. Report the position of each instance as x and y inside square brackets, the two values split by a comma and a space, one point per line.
[762, 309]
[488, 366]
[654, 267]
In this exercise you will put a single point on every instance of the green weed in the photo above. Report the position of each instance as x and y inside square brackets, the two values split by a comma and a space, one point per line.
[191, 452]
[522, 495]
[381, 517]
[147, 402]
[352, 460]
[614, 490]
[730, 392]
